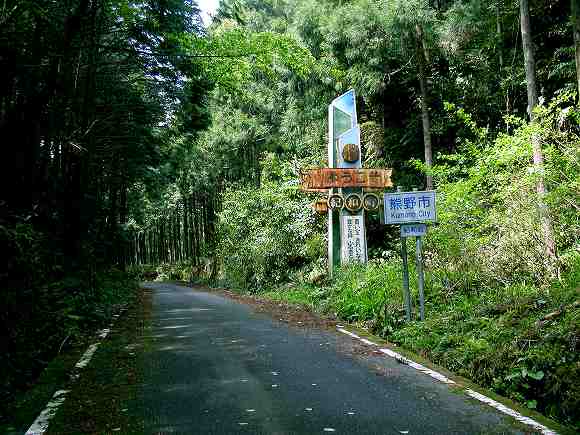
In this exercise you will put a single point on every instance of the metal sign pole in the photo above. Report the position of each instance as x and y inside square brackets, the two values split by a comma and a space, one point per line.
[333, 215]
[411, 210]
[406, 291]
[421, 276]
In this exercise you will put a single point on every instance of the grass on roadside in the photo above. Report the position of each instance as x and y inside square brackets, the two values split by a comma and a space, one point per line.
[521, 341]
[49, 331]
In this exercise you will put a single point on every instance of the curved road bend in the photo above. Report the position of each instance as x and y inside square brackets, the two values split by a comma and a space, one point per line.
[213, 366]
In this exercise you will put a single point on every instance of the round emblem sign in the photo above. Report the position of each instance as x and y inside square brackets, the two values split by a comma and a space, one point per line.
[335, 202]
[353, 202]
[371, 202]
[320, 206]
[351, 153]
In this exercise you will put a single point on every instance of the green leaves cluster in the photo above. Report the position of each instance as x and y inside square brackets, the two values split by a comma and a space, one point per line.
[489, 222]
[233, 55]
[265, 234]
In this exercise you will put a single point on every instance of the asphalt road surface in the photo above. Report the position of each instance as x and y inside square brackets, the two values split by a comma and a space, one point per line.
[214, 366]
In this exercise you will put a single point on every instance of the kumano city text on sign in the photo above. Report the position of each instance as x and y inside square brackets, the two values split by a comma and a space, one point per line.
[326, 178]
[410, 207]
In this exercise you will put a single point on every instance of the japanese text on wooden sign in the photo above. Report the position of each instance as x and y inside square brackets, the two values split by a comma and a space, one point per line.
[326, 178]
[409, 207]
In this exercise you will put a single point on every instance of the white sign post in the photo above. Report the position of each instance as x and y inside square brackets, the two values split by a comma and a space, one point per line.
[344, 132]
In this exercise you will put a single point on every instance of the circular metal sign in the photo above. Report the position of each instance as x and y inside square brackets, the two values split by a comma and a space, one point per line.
[335, 202]
[353, 202]
[371, 202]
[320, 206]
[351, 153]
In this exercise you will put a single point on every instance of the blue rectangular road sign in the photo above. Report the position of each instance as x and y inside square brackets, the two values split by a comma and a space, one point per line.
[413, 230]
[410, 207]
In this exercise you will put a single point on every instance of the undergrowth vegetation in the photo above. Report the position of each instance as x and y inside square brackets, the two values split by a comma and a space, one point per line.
[51, 317]
[499, 311]
[522, 341]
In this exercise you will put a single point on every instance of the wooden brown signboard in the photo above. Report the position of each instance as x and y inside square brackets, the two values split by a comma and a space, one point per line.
[326, 178]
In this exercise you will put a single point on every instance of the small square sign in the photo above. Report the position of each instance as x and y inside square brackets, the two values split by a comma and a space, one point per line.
[413, 230]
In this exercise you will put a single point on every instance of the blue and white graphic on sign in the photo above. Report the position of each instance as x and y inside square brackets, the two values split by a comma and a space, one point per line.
[409, 207]
[345, 106]
[341, 118]
[413, 230]
[350, 137]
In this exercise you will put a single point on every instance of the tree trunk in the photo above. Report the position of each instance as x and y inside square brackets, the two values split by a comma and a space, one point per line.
[546, 221]
[499, 34]
[421, 64]
[576, 31]
[186, 242]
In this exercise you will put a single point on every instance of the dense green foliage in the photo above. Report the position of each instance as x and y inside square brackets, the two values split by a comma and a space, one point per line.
[86, 89]
[268, 232]
[489, 278]
[136, 137]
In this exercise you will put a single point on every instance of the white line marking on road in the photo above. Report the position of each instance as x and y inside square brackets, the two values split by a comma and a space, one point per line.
[86, 358]
[442, 378]
[41, 423]
[365, 341]
[519, 417]
[175, 318]
[416, 366]
[344, 331]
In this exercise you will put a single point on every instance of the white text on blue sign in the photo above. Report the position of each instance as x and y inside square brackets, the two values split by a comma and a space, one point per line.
[413, 230]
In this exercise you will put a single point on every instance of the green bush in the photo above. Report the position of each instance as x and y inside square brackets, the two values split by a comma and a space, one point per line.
[498, 310]
[47, 318]
[265, 233]
[489, 222]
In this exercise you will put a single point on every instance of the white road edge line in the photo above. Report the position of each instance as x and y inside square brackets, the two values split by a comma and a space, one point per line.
[519, 417]
[442, 378]
[40, 425]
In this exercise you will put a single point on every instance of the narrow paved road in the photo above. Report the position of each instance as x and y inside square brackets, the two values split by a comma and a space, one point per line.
[213, 366]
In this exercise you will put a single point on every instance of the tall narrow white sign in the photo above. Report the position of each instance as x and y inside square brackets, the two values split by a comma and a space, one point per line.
[353, 246]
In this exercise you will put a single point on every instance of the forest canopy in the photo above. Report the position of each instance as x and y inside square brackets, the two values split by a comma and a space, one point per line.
[136, 139]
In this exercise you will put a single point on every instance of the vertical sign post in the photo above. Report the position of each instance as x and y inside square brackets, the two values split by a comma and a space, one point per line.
[344, 152]
[406, 290]
[421, 276]
[410, 210]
